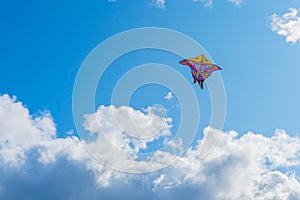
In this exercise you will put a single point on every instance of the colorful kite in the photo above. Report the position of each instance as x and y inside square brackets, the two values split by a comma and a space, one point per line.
[201, 68]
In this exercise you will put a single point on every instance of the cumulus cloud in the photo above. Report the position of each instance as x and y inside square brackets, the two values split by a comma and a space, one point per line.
[23, 136]
[115, 121]
[122, 132]
[241, 168]
[19, 131]
[287, 25]
[36, 164]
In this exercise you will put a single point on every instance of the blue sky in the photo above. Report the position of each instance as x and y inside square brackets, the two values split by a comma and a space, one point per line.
[46, 43]
[43, 45]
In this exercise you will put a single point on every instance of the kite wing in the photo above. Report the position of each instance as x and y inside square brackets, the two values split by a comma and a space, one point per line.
[201, 59]
[191, 63]
[208, 69]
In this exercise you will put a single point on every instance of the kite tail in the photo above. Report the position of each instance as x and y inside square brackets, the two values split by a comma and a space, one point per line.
[201, 84]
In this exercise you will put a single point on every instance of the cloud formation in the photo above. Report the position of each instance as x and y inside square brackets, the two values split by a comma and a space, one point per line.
[161, 4]
[236, 2]
[36, 164]
[169, 96]
[121, 133]
[209, 3]
[287, 25]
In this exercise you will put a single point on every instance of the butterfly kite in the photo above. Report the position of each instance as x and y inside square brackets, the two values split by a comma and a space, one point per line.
[201, 68]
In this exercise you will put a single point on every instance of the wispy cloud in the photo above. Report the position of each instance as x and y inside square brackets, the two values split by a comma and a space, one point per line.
[209, 3]
[169, 96]
[250, 166]
[161, 4]
[287, 25]
[236, 2]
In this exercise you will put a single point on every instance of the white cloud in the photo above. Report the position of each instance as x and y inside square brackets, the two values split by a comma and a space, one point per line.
[129, 129]
[22, 135]
[238, 168]
[19, 131]
[287, 25]
[169, 96]
[161, 4]
[276, 185]
[209, 3]
[250, 166]
[236, 2]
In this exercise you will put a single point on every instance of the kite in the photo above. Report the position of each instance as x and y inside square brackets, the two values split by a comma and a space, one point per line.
[201, 68]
